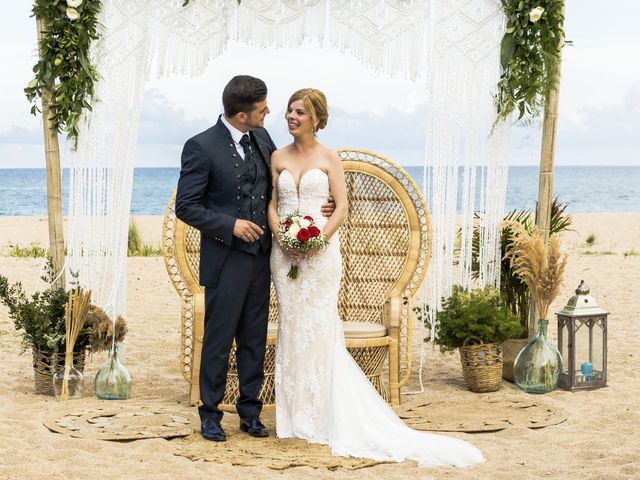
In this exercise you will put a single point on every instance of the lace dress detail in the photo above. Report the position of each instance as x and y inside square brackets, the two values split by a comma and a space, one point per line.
[321, 394]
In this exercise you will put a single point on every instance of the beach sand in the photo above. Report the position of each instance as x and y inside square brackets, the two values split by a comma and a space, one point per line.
[599, 439]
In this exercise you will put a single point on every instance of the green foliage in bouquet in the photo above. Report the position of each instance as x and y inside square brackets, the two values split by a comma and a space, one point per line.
[477, 313]
[529, 56]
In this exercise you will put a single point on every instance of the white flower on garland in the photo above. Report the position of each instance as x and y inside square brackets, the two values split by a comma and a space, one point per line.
[72, 13]
[74, 3]
[535, 14]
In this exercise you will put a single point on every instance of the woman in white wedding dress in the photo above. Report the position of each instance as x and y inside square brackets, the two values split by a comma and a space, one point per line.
[322, 396]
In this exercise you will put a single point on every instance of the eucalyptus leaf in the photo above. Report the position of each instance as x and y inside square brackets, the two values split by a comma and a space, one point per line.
[507, 49]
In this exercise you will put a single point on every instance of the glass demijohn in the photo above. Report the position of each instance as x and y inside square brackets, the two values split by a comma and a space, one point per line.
[537, 367]
[113, 381]
[73, 387]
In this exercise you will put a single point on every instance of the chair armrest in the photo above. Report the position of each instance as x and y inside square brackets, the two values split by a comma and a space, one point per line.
[391, 313]
[198, 335]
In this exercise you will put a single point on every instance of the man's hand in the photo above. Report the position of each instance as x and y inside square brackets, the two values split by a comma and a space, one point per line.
[246, 230]
[328, 208]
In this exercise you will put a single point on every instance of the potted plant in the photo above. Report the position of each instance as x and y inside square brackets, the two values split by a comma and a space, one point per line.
[41, 320]
[476, 323]
[514, 291]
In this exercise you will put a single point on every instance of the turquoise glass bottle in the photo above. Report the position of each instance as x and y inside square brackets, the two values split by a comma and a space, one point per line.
[537, 367]
[113, 381]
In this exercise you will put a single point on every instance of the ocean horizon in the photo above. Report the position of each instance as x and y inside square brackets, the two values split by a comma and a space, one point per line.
[583, 188]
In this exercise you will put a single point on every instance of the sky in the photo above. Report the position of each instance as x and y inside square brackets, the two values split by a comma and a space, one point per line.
[599, 117]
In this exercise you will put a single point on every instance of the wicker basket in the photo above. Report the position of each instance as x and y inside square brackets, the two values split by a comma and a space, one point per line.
[510, 350]
[43, 372]
[481, 365]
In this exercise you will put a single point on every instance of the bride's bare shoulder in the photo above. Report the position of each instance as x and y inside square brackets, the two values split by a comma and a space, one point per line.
[331, 156]
[280, 155]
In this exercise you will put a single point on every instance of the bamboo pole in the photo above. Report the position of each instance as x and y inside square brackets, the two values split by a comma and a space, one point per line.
[545, 183]
[54, 177]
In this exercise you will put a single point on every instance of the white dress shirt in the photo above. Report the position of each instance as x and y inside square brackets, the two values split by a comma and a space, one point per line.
[236, 135]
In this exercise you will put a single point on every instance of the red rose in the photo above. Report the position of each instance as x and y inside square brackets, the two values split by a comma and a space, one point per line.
[307, 217]
[314, 231]
[286, 223]
[303, 235]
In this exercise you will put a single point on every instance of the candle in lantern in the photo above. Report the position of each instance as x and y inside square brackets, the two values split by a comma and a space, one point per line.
[586, 368]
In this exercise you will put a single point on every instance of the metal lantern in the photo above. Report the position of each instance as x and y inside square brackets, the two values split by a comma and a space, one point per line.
[582, 338]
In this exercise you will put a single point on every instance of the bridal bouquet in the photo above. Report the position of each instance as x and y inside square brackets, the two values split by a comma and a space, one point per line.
[300, 232]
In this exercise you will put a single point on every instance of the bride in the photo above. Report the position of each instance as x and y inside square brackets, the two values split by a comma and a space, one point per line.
[322, 396]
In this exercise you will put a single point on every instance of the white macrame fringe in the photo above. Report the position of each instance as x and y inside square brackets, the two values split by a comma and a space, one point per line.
[453, 44]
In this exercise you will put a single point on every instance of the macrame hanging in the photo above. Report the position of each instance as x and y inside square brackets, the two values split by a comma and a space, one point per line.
[454, 44]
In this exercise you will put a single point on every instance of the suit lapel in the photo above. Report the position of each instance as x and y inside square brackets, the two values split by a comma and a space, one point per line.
[263, 150]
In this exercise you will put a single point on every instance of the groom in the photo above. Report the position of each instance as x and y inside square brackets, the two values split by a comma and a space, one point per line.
[223, 191]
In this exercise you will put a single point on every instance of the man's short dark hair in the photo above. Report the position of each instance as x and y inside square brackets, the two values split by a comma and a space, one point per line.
[242, 93]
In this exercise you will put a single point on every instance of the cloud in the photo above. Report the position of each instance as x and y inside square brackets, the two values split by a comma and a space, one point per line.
[604, 126]
[21, 135]
[161, 122]
[391, 129]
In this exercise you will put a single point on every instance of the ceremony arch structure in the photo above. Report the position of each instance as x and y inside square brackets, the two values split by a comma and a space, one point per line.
[453, 44]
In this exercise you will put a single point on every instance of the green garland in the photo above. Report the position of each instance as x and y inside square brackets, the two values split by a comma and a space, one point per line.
[529, 55]
[64, 64]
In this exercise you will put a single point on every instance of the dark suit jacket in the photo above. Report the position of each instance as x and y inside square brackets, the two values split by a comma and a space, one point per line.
[206, 195]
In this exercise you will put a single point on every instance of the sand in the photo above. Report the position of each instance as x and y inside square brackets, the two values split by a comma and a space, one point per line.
[598, 441]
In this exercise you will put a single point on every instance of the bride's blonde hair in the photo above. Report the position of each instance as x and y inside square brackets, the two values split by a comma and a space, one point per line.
[315, 103]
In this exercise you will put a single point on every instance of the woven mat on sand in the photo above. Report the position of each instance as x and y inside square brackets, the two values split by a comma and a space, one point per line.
[121, 421]
[271, 452]
[479, 413]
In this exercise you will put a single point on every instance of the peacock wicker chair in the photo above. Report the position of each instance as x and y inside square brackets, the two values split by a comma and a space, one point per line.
[386, 245]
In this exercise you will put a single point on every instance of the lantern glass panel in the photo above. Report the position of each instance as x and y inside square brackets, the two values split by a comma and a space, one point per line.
[588, 350]
[564, 345]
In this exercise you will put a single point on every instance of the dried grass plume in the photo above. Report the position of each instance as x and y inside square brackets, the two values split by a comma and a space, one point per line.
[540, 266]
[102, 329]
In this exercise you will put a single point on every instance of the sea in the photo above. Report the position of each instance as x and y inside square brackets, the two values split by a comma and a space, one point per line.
[583, 188]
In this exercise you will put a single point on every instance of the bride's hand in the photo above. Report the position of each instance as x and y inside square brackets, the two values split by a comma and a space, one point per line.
[312, 252]
[292, 254]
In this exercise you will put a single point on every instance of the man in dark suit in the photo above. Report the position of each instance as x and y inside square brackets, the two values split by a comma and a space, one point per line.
[223, 191]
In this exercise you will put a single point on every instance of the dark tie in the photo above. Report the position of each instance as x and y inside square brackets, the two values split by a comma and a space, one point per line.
[245, 141]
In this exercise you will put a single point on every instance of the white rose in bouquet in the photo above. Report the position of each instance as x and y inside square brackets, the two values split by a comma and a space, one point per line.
[72, 13]
[293, 230]
[304, 223]
[535, 14]
[74, 3]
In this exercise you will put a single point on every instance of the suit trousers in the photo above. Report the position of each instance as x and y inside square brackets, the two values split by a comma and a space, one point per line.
[238, 307]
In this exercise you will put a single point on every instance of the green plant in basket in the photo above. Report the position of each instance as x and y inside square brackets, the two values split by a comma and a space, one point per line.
[477, 313]
[40, 318]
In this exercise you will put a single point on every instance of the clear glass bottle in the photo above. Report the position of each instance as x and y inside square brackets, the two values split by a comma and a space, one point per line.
[113, 381]
[537, 367]
[73, 388]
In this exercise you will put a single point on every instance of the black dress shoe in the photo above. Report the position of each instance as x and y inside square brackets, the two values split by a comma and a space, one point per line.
[212, 430]
[253, 426]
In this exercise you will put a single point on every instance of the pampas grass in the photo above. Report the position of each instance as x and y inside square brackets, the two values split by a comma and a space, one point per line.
[75, 314]
[102, 329]
[540, 266]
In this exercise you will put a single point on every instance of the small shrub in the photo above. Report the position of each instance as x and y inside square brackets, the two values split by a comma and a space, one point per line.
[136, 247]
[591, 240]
[32, 251]
[477, 313]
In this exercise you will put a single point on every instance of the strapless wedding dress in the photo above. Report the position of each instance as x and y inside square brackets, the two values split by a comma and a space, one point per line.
[321, 394]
